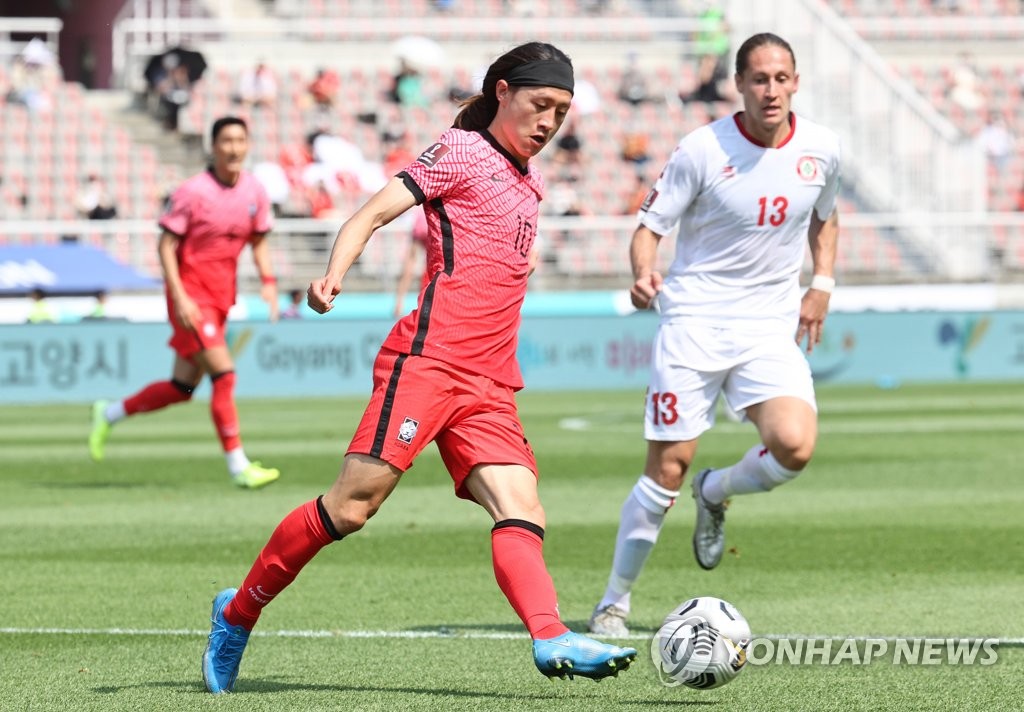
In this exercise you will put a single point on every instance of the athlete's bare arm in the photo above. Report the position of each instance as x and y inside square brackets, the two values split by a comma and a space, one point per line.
[268, 288]
[822, 237]
[186, 311]
[643, 255]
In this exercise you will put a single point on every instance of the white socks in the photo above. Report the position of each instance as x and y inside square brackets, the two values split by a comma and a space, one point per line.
[757, 471]
[642, 515]
[237, 461]
[114, 411]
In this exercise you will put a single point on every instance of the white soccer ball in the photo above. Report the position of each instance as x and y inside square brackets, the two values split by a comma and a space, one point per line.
[702, 644]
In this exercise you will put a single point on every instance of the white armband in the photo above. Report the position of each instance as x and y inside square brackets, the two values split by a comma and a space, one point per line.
[823, 283]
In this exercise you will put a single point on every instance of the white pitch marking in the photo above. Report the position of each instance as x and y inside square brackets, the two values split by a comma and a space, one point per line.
[449, 635]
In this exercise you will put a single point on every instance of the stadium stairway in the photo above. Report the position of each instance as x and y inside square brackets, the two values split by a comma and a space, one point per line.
[184, 152]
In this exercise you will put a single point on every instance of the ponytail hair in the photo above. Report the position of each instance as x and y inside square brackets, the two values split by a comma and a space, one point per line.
[478, 111]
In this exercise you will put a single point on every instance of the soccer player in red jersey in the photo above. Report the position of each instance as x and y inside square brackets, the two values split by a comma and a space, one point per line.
[210, 218]
[447, 372]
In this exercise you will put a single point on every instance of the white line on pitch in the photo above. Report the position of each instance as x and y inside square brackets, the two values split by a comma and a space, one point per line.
[445, 634]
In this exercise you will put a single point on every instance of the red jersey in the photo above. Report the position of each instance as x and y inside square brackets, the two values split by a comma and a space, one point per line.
[481, 209]
[214, 222]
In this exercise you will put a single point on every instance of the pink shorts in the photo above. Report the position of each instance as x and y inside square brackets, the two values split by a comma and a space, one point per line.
[210, 332]
[417, 400]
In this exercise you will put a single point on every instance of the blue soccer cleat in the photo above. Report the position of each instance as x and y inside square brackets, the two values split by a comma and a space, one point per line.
[224, 649]
[572, 654]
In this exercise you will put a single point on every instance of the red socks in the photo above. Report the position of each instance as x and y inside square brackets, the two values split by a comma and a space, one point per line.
[523, 577]
[222, 405]
[297, 539]
[156, 396]
[223, 411]
[518, 566]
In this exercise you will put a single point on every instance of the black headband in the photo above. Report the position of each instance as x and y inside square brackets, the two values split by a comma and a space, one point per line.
[542, 73]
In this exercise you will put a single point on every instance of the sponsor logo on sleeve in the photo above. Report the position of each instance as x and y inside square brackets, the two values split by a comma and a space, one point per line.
[649, 200]
[432, 155]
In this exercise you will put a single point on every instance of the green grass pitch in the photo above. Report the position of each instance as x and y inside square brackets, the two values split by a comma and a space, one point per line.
[907, 523]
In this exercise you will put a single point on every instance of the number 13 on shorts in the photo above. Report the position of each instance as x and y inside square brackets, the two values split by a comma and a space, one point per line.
[663, 408]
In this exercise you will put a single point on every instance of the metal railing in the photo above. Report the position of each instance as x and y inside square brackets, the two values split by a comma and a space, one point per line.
[45, 28]
[900, 153]
[585, 252]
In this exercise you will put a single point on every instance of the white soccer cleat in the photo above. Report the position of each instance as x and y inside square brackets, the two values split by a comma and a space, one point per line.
[609, 622]
[709, 530]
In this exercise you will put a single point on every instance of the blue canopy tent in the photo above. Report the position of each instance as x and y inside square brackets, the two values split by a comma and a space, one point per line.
[66, 269]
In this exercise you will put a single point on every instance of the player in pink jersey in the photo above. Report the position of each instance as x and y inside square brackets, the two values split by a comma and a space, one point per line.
[447, 372]
[749, 193]
[210, 219]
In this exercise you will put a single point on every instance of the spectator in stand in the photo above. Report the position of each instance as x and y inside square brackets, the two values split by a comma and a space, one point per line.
[633, 85]
[338, 160]
[257, 87]
[407, 88]
[713, 38]
[569, 153]
[964, 90]
[321, 202]
[708, 85]
[29, 75]
[397, 151]
[997, 142]
[175, 91]
[637, 195]
[635, 149]
[945, 7]
[563, 199]
[94, 201]
[324, 88]
[276, 182]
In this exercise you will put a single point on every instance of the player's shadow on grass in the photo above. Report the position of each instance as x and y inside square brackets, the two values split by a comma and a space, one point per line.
[267, 686]
[457, 629]
[93, 485]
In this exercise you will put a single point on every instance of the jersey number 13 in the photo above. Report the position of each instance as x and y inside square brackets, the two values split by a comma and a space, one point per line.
[774, 213]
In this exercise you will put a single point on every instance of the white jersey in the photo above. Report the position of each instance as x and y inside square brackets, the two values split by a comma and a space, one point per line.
[743, 211]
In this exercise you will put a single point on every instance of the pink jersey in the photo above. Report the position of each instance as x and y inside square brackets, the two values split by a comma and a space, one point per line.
[481, 208]
[215, 221]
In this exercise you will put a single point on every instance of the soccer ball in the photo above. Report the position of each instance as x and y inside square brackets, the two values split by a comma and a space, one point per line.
[702, 644]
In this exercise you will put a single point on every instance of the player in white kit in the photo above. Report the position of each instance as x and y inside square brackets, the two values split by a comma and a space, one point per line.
[748, 192]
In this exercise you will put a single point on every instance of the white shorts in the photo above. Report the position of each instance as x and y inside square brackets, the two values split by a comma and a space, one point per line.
[691, 365]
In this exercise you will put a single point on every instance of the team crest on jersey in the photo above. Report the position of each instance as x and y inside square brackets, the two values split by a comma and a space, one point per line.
[649, 200]
[252, 210]
[407, 430]
[729, 172]
[432, 155]
[807, 168]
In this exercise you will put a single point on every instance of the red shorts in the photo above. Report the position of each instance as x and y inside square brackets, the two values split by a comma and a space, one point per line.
[416, 400]
[208, 333]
